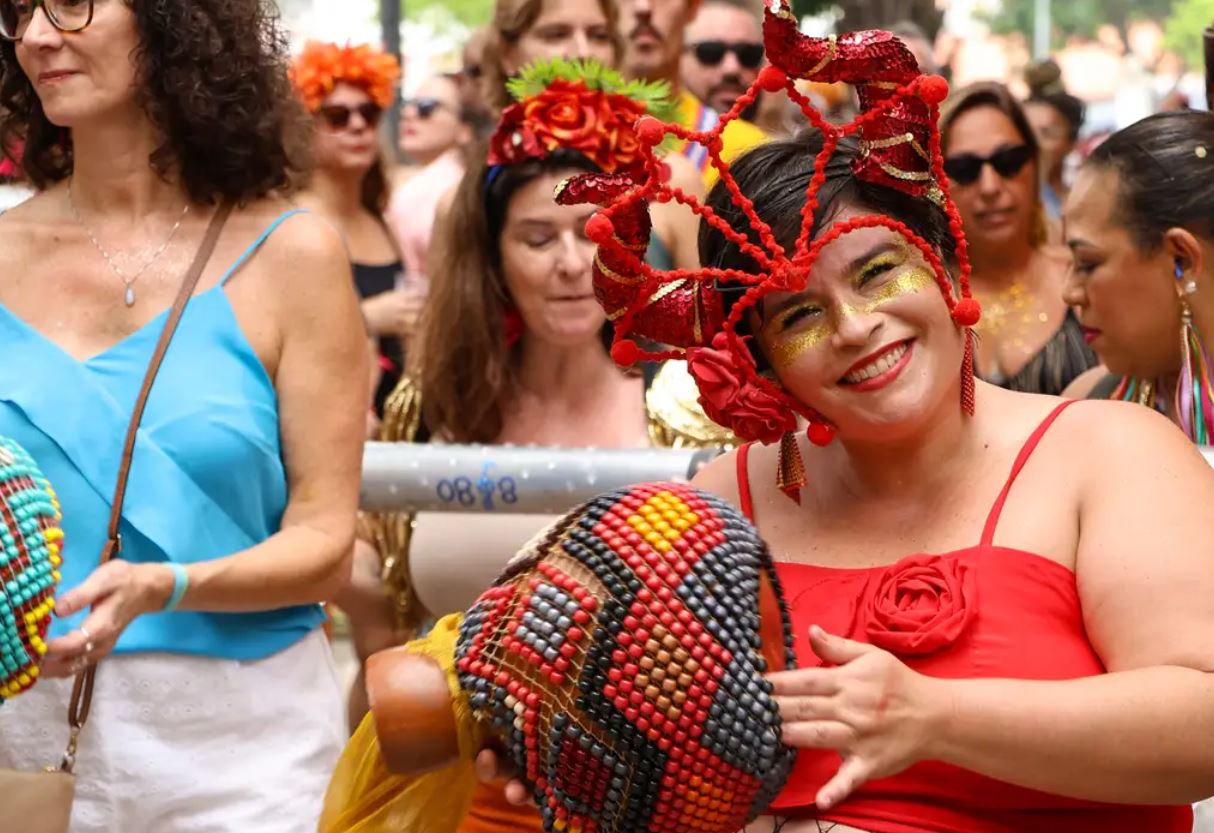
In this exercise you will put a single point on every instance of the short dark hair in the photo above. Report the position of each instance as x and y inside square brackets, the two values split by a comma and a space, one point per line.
[775, 177]
[212, 77]
[1164, 167]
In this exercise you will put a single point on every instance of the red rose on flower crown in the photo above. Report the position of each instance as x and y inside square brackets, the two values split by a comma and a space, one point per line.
[581, 106]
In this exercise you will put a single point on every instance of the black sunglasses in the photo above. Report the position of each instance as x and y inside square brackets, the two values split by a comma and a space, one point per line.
[338, 116]
[64, 15]
[965, 168]
[712, 52]
[425, 106]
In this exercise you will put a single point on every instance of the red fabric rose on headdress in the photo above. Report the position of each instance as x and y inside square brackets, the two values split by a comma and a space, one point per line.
[731, 399]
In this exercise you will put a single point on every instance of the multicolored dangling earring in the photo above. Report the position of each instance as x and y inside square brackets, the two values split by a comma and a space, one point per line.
[1193, 405]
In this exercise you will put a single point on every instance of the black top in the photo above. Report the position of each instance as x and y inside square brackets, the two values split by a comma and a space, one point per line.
[372, 281]
[1065, 357]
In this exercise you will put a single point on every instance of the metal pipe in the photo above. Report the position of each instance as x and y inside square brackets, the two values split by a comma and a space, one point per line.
[514, 480]
[509, 479]
[1042, 14]
[390, 12]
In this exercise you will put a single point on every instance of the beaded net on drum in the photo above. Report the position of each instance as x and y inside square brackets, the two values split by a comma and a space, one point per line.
[31, 542]
[620, 664]
[684, 310]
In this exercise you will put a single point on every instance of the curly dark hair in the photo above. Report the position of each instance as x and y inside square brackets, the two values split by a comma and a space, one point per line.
[212, 77]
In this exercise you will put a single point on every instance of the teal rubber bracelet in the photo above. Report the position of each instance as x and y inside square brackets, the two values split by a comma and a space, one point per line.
[181, 582]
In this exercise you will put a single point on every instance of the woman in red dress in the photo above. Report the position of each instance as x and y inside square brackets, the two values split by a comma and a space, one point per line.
[1003, 604]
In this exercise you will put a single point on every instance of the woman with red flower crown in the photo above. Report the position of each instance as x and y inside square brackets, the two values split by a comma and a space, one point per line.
[1003, 604]
[514, 350]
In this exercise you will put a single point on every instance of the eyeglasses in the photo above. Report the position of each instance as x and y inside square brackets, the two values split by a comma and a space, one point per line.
[425, 107]
[965, 168]
[64, 15]
[338, 116]
[712, 52]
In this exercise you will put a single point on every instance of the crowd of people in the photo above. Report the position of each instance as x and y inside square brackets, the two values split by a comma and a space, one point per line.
[429, 288]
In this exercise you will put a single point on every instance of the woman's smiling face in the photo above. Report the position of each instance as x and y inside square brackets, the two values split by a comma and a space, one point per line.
[869, 343]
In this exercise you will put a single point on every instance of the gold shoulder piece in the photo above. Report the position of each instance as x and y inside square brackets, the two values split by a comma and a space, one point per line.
[392, 532]
[676, 420]
[402, 412]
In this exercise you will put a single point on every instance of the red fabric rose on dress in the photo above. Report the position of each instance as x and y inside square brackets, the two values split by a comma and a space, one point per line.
[920, 605]
[731, 400]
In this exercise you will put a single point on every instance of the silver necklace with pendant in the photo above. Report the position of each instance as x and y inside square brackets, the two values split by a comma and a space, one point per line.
[128, 283]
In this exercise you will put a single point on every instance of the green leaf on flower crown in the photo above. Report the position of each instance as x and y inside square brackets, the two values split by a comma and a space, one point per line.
[534, 78]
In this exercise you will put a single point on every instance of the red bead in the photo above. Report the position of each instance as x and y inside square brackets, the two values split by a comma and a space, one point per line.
[821, 434]
[933, 89]
[556, 678]
[567, 650]
[614, 674]
[561, 664]
[533, 701]
[625, 353]
[600, 229]
[967, 312]
[650, 131]
[574, 634]
[581, 617]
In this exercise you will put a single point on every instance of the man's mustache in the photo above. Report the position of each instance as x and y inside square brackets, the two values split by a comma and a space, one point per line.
[644, 27]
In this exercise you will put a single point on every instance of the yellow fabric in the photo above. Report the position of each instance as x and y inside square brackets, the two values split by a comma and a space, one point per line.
[738, 137]
[364, 797]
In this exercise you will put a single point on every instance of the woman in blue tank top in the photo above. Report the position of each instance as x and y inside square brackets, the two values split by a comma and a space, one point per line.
[223, 714]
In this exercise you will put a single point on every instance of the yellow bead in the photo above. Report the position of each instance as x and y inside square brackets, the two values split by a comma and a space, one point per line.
[673, 535]
[35, 671]
[682, 524]
[25, 680]
[56, 576]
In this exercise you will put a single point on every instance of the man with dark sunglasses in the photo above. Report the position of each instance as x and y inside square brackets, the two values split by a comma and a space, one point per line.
[723, 52]
[654, 39]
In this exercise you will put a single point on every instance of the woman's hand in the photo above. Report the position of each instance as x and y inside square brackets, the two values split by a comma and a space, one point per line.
[870, 708]
[392, 313]
[118, 591]
[490, 768]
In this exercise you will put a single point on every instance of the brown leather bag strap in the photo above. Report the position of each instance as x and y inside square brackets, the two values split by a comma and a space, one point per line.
[82, 690]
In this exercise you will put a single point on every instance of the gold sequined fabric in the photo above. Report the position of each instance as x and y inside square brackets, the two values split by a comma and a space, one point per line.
[676, 420]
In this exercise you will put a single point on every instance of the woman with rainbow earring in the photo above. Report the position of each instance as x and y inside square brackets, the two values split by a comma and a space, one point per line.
[1143, 272]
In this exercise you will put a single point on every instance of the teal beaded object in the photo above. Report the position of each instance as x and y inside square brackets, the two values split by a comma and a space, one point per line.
[31, 543]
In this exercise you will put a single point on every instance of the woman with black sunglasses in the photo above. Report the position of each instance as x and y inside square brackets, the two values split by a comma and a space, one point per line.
[153, 130]
[347, 89]
[1029, 340]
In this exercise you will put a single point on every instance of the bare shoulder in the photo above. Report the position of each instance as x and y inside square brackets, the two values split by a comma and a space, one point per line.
[304, 246]
[720, 477]
[1115, 439]
[29, 223]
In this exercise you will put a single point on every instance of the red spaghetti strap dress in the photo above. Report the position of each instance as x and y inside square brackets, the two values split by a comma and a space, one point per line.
[992, 612]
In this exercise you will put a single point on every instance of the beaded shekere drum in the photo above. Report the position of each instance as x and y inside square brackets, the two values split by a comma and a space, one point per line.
[30, 545]
[618, 665]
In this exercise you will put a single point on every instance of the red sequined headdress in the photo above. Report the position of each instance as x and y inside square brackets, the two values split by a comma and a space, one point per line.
[899, 148]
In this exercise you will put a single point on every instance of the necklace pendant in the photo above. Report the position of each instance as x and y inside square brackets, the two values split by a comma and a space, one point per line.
[129, 297]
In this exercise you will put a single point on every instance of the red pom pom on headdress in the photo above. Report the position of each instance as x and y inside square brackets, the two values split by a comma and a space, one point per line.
[322, 66]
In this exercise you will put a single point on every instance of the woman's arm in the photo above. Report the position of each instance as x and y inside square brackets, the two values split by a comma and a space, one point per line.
[1144, 732]
[674, 223]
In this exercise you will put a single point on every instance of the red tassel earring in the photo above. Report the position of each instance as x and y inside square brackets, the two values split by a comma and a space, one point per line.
[790, 473]
[967, 375]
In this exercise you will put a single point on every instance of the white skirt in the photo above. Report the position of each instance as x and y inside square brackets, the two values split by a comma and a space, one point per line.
[179, 744]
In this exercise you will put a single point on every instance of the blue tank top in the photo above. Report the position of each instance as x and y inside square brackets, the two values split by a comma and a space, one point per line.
[207, 479]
